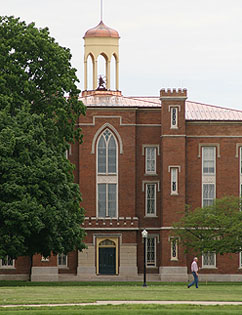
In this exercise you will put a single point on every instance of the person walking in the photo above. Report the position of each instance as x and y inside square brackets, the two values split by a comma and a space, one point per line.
[194, 270]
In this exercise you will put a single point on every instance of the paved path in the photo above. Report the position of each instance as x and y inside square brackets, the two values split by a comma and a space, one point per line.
[130, 302]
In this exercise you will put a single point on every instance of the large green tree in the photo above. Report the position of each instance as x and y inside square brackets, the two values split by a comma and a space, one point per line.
[217, 228]
[40, 208]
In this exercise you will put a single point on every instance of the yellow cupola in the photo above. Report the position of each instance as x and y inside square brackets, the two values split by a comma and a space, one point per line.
[101, 40]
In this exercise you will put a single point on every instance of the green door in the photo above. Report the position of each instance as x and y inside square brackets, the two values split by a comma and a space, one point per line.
[107, 259]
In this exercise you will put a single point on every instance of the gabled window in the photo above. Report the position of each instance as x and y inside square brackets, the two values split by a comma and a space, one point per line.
[150, 160]
[151, 252]
[208, 160]
[209, 260]
[208, 194]
[107, 152]
[7, 262]
[150, 199]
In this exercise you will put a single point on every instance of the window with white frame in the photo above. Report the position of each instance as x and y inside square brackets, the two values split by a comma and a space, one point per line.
[240, 260]
[174, 180]
[208, 195]
[150, 160]
[208, 160]
[62, 260]
[107, 200]
[107, 175]
[107, 153]
[7, 262]
[151, 251]
[150, 199]
[174, 249]
[209, 260]
[174, 117]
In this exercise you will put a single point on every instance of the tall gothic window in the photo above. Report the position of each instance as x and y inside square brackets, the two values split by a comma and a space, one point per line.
[107, 179]
[107, 152]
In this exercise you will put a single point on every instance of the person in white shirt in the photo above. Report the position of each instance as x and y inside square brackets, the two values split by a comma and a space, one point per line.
[194, 270]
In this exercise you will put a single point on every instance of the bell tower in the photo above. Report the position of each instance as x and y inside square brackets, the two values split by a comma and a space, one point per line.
[101, 41]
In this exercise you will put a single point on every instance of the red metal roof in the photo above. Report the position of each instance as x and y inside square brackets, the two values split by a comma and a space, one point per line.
[194, 110]
[101, 30]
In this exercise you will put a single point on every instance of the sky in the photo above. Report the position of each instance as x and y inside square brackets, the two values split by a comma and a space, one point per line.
[192, 44]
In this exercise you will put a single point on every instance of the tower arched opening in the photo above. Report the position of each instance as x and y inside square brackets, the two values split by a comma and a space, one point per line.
[102, 62]
[90, 72]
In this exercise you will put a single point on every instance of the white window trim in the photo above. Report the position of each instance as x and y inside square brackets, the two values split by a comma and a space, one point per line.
[155, 250]
[155, 203]
[209, 174]
[108, 178]
[176, 244]
[157, 153]
[144, 182]
[100, 131]
[144, 146]
[172, 108]
[217, 145]
[214, 191]
[116, 142]
[146, 166]
[62, 266]
[175, 170]
[107, 216]
[210, 266]
[240, 260]
[8, 266]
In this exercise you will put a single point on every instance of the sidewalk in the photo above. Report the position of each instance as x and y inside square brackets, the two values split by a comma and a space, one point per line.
[129, 302]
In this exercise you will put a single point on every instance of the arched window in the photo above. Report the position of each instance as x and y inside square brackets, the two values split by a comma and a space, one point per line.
[107, 179]
[107, 153]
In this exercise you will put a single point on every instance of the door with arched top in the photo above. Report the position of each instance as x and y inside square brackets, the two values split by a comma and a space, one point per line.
[107, 257]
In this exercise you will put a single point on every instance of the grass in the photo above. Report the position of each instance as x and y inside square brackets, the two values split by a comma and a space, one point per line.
[17, 292]
[127, 309]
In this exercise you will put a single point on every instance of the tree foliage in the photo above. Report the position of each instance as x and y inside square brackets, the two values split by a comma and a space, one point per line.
[35, 70]
[217, 228]
[40, 208]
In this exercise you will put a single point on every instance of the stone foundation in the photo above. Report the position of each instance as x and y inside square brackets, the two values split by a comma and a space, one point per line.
[173, 274]
[44, 274]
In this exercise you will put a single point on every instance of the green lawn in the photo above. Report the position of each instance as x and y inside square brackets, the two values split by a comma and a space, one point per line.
[78, 292]
[127, 310]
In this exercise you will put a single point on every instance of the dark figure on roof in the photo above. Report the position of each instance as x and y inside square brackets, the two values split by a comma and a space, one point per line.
[101, 83]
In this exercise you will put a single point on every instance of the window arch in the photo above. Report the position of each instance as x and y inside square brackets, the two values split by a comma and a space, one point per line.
[107, 153]
[107, 175]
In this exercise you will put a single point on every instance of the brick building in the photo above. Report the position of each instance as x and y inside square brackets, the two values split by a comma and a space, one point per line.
[142, 160]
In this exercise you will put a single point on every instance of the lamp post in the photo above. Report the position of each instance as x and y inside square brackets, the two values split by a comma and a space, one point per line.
[144, 236]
